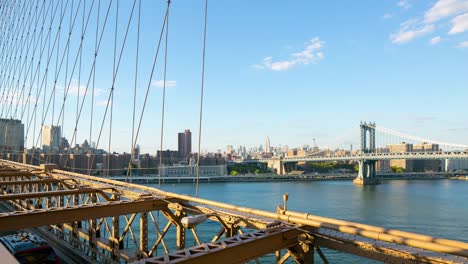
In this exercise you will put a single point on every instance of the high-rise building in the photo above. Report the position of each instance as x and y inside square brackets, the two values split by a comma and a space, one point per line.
[51, 137]
[185, 143]
[11, 135]
[267, 145]
[229, 149]
[136, 153]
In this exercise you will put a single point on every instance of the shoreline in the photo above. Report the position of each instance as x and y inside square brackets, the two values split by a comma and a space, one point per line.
[269, 178]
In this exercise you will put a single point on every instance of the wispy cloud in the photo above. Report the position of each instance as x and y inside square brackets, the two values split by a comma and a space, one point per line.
[75, 90]
[419, 118]
[459, 24]
[404, 4]
[387, 16]
[102, 103]
[160, 83]
[463, 44]
[456, 129]
[410, 30]
[435, 16]
[435, 40]
[12, 98]
[310, 54]
[445, 8]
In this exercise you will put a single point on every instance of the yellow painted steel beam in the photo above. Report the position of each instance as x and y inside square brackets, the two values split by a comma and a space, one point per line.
[380, 253]
[28, 182]
[20, 196]
[403, 234]
[237, 249]
[15, 174]
[51, 216]
[419, 241]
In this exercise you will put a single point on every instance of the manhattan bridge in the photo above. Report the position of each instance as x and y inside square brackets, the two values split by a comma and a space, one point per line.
[55, 57]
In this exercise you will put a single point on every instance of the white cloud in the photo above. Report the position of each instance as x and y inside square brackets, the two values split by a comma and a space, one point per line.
[15, 98]
[102, 103]
[463, 44]
[160, 83]
[310, 54]
[404, 4]
[459, 24]
[387, 16]
[445, 8]
[410, 30]
[435, 40]
[75, 90]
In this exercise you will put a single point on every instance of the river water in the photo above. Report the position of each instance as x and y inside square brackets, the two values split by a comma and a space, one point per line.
[433, 207]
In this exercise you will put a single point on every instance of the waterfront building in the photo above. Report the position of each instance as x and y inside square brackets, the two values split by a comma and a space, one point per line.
[427, 165]
[416, 165]
[382, 166]
[403, 147]
[191, 171]
[455, 165]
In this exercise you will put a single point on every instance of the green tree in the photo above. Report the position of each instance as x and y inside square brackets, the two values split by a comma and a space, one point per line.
[396, 169]
[234, 173]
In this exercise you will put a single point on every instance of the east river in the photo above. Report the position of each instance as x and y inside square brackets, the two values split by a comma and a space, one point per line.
[434, 207]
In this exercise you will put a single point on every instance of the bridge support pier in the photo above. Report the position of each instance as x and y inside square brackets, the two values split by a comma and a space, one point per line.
[366, 174]
[277, 166]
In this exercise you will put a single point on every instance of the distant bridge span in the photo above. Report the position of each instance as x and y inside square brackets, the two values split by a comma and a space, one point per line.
[369, 156]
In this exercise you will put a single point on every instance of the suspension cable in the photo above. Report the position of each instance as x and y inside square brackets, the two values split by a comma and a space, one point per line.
[90, 166]
[130, 171]
[201, 98]
[163, 100]
[151, 76]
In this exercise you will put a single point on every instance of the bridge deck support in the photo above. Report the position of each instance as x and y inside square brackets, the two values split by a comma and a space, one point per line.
[366, 175]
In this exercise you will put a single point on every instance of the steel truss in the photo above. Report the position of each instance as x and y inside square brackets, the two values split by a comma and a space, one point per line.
[106, 221]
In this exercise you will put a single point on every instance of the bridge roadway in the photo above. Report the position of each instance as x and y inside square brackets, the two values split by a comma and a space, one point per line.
[106, 221]
[370, 156]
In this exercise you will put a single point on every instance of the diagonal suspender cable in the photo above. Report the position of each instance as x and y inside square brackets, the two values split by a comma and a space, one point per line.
[90, 166]
[39, 91]
[163, 100]
[111, 102]
[201, 98]
[113, 79]
[130, 171]
[151, 75]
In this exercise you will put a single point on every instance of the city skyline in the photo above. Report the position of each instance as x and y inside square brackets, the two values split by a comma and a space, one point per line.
[290, 72]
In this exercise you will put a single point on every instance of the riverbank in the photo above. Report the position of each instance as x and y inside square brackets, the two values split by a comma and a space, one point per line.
[460, 178]
[154, 179]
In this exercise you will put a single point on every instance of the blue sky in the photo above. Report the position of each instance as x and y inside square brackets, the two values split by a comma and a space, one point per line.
[292, 71]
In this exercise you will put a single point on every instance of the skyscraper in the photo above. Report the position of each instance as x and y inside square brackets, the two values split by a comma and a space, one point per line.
[267, 145]
[11, 135]
[51, 137]
[185, 143]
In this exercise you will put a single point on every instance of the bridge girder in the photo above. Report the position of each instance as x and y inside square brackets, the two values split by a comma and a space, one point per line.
[79, 215]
